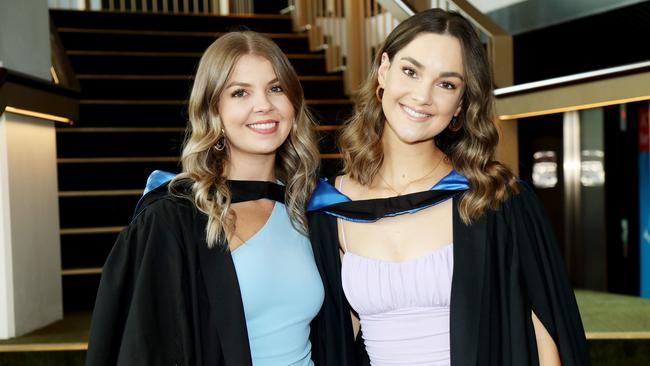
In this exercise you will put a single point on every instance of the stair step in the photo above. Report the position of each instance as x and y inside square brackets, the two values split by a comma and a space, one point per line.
[63, 343]
[110, 174]
[109, 210]
[119, 143]
[161, 41]
[178, 88]
[172, 113]
[170, 22]
[147, 63]
[331, 167]
[86, 250]
[128, 142]
[80, 291]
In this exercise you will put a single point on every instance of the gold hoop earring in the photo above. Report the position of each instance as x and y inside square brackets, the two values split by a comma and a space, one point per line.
[221, 144]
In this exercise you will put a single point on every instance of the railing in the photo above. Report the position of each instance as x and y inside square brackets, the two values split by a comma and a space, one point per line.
[206, 7]
[348, 31]
[351, 31]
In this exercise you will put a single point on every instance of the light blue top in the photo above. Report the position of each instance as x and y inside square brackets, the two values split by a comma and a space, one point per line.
[281, 290]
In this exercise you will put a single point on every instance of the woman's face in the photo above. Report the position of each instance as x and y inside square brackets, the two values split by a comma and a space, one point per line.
[423, 86]
[255, 112]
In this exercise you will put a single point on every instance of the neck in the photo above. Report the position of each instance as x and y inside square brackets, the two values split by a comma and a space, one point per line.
[405, 162]
[251, 167]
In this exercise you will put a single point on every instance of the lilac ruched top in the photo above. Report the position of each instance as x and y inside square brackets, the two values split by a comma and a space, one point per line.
[403, 307]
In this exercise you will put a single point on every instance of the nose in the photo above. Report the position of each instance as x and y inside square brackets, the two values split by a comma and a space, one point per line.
[262, 103]
[422, 94]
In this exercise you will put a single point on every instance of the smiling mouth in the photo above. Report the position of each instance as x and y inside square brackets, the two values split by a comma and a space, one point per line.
[264, 127]
[415, 114]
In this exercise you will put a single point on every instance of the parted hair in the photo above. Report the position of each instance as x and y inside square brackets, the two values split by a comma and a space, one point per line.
[203, 167]
[470, 146]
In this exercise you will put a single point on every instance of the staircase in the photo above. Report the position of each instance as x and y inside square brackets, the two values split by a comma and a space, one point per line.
[135, 72]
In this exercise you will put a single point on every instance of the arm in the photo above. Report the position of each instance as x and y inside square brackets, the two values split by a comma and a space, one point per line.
[559, 334]
[546, 348]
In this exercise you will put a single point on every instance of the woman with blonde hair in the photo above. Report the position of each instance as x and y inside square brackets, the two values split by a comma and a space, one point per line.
[216, 268]
[445, 259]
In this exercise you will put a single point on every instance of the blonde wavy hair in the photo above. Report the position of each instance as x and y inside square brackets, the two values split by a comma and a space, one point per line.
[297, 161]
[470, 147]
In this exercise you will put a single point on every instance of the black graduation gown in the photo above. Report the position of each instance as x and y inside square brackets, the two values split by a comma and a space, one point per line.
[506, 264]
[164, 297]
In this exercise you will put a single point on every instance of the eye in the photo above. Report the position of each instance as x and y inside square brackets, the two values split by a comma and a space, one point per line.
[239, 93]
[276, 89]
[447, 85]
[409, 72]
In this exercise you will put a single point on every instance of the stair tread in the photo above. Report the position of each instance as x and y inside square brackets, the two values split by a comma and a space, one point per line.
[72, 331]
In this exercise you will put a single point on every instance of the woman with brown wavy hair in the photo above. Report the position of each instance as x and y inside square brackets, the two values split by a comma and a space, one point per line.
[445, 257]
[216, 267]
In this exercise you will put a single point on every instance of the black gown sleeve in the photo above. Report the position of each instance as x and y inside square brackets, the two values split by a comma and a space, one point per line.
[140, 313]
[544, 277]
[331, 335]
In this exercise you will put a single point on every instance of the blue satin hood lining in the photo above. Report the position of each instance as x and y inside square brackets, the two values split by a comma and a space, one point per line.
[156, 179]
[326, 194]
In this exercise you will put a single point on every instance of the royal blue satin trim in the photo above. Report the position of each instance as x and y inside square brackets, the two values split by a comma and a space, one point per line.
[156, 179]
[452, 182]
[326, 194]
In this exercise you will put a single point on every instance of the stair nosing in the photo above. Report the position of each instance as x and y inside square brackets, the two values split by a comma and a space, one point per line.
[41, 346]
[331, 156]
[102, 193]
[91, 230]
[81, 271]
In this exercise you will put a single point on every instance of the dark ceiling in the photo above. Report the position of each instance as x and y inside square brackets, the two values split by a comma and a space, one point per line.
[613, 38]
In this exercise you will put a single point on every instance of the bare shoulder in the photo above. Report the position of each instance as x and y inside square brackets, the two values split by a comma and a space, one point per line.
[350, 187]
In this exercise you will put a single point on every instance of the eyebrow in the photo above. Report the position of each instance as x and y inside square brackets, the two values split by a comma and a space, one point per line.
[247, 85]
[417, 64]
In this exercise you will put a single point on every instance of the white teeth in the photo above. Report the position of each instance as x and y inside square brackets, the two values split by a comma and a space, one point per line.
[414, 114]
[263, 126]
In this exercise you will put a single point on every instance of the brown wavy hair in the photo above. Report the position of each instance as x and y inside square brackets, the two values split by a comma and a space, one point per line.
[471, 147]
[297, 159]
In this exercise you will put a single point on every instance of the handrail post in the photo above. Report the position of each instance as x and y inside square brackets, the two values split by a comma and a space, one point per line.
[355, 70]
[299, 15]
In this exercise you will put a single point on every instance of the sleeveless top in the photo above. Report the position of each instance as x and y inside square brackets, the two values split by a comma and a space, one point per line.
[281, 290]
[403, 307]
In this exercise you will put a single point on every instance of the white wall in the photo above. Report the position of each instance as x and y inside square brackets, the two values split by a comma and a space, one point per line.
[30, 259]
[25, 37]
[7, 324]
